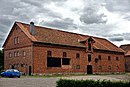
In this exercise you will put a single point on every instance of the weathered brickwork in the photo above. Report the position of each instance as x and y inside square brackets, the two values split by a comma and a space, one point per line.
[126, 48]
[18, 55]
[29, 55]
[102, 66]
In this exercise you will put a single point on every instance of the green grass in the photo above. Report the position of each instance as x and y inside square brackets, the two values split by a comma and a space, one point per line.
[43, 76]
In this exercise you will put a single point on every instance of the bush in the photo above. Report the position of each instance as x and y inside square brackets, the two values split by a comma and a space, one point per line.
[90, 83]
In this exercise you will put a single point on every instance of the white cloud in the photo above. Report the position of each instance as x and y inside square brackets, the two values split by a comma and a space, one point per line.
[103, 18]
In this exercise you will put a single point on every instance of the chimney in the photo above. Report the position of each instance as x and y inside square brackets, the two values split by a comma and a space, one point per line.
[32, 30]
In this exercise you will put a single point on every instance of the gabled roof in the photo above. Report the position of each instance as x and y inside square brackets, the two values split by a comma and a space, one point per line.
[54, 36]
[128, 53]
[126, 48]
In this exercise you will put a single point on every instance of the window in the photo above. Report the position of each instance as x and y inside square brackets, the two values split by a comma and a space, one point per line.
[65, 61]
[22, 65]
[18, 65]
[16, 28]
[109, 58]
[100, 67]
[89, 46]
[15, 40]
[117, 58]
[10, 55]
[24, 53]
[49, 53]
[77, 55]
[15, 54]
[64, 54]
[96, 60]
[99, 57]
[109, 67]
[117, 67]
[53, 62]
[77, 66]
[89, 57]
[18, 53]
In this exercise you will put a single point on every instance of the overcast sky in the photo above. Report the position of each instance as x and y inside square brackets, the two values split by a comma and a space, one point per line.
[109, 19]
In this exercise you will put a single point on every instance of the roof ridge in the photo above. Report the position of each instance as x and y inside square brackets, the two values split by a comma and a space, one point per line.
[56, 29]
[40, 37]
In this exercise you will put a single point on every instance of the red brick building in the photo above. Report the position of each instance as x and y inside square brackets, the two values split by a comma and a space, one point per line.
[126, 47]
[36, 49]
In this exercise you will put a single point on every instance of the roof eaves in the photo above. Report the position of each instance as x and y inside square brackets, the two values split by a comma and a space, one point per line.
[25, 30]
[59, 44]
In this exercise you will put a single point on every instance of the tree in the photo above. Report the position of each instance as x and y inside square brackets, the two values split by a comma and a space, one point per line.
[1, 59]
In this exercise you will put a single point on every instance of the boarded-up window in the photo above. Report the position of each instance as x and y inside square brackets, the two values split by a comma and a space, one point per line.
[65, 61]
[53, 62]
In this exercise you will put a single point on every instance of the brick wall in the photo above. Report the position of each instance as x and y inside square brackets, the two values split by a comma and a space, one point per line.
[102, 66]
[127, 66]
[21, 51]
[114, 65]
[36, 57]
[40, 59]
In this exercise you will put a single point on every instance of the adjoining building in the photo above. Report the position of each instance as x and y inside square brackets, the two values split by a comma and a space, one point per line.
[35, 49]
[126, 48]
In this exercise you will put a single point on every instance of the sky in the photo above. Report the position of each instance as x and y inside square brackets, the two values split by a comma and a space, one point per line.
[108, 19]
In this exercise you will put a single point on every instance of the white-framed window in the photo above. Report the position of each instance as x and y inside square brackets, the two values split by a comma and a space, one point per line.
[24, 53]
[16, 40]
[10, 55]
[15, 54]
[18, 53]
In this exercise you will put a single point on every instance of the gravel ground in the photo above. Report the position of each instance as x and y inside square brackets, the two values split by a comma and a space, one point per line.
[51, 82]
[28, 82]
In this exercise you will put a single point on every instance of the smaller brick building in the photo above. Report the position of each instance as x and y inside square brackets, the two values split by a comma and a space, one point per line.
[36, 49]
[126, 48]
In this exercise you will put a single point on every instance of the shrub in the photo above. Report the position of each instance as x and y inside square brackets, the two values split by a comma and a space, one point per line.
[90, 83]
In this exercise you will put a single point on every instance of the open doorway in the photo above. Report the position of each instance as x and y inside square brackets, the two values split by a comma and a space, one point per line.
[89, 69]
[12, 67]
[30, 70]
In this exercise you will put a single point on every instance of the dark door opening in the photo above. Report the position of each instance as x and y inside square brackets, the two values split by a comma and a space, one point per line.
[30, 71]
[12, 67]
[89, 69]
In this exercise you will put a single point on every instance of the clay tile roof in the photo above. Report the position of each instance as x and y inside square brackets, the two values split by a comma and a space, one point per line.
[54, 36]
[128, 53]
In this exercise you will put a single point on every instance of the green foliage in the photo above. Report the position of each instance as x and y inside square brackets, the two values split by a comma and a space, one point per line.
[1, 59]
[90, 83]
